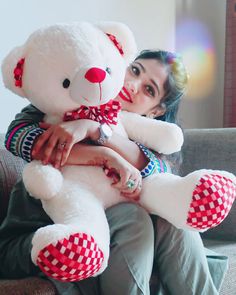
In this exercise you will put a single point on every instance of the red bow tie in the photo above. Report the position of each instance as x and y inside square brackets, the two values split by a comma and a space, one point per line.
[106, 113]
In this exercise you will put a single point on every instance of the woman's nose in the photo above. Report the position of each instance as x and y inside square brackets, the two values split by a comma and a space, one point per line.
[132, 86]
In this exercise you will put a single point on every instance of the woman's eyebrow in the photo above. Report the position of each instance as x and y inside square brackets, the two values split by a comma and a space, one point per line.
[141, 66]
[153, 82]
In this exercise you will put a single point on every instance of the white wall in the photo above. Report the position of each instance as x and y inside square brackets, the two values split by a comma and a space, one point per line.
[204, 107]
[152, 21]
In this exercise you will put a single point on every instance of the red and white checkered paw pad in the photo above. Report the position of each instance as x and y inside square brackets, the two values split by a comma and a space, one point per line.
[212, 200]
[72, 259]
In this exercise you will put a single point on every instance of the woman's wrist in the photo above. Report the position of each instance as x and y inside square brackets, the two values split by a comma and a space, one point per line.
[90, 155]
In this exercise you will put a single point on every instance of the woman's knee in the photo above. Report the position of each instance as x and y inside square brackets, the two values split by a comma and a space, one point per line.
[132, 237]
[131, 220]
[132, 248]
[176, 240]
[164, 228]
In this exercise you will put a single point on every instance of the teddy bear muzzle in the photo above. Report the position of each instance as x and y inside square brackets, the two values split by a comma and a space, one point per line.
[92, 86]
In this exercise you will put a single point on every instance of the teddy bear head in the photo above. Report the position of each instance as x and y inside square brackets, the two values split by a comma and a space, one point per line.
[63, 66]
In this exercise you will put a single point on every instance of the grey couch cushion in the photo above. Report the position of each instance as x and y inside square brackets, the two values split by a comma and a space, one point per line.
[210, 149]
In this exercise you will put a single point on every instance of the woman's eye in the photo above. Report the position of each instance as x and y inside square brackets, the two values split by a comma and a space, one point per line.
[135, 70]
[66, 83]
[150, 90]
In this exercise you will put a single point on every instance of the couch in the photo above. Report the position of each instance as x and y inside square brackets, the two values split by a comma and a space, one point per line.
[203, 148]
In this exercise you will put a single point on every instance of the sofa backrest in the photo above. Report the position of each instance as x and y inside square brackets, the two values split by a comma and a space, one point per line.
[209, 149]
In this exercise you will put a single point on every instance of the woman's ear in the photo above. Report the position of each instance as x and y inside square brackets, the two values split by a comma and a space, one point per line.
[157, 112]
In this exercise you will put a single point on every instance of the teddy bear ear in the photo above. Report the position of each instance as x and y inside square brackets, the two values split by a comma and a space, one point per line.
[122, 37]
[12, 70]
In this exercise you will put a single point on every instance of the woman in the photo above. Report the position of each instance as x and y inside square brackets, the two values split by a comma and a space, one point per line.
[154, 84]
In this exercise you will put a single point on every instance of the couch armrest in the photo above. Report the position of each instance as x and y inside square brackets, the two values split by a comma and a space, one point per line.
[10, 171]
[212, 149]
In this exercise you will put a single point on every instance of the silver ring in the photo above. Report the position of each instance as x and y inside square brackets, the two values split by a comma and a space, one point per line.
[61, 145]
[130, 183]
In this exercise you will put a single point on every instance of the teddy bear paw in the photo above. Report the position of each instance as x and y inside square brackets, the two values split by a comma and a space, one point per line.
[42, 181]
[212, 200]
[71, 259]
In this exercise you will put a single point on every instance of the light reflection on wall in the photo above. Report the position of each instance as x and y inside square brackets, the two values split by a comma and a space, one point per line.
[195, 44]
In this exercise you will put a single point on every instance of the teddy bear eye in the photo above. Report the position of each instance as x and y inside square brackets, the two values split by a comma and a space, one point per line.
[108, 70]
[66, 83]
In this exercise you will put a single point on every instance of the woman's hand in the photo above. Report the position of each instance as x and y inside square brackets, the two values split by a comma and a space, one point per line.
[55, 144]
[126, 178]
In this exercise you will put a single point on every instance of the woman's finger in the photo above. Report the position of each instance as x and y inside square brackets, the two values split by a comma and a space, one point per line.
[135, 195]
[44, 125]
[132, 183]
[50, 146]
[121, 184]
[65, 153]
[58, 157]
[40, 142]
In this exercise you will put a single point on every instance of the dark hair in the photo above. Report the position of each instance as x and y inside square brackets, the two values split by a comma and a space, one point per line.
[175, 84]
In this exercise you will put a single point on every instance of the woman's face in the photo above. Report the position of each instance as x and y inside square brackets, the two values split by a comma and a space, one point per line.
[144, 88]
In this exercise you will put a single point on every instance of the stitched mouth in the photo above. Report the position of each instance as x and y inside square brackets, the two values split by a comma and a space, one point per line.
[124, 95]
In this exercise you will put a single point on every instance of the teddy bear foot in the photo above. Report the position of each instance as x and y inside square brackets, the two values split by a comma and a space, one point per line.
[71, 259]
[42, 181]
[212, 200]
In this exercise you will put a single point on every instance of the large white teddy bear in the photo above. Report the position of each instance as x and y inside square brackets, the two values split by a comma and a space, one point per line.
[59, 69]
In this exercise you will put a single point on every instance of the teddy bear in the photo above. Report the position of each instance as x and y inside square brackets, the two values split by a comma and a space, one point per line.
[81, 66]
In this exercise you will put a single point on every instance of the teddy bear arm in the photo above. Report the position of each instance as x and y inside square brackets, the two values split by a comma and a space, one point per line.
[162, 137]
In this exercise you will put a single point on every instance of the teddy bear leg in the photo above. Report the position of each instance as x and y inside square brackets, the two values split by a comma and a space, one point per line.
[42, 181]
[198, 201]
[77, 246]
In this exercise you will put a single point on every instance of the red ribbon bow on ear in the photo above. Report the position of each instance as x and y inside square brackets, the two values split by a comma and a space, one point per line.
[106, 113]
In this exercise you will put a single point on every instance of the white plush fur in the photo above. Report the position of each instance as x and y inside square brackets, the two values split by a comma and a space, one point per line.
[76, 196]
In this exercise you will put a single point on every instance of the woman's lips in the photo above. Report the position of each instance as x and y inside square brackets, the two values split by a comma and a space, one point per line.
[124, 94]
